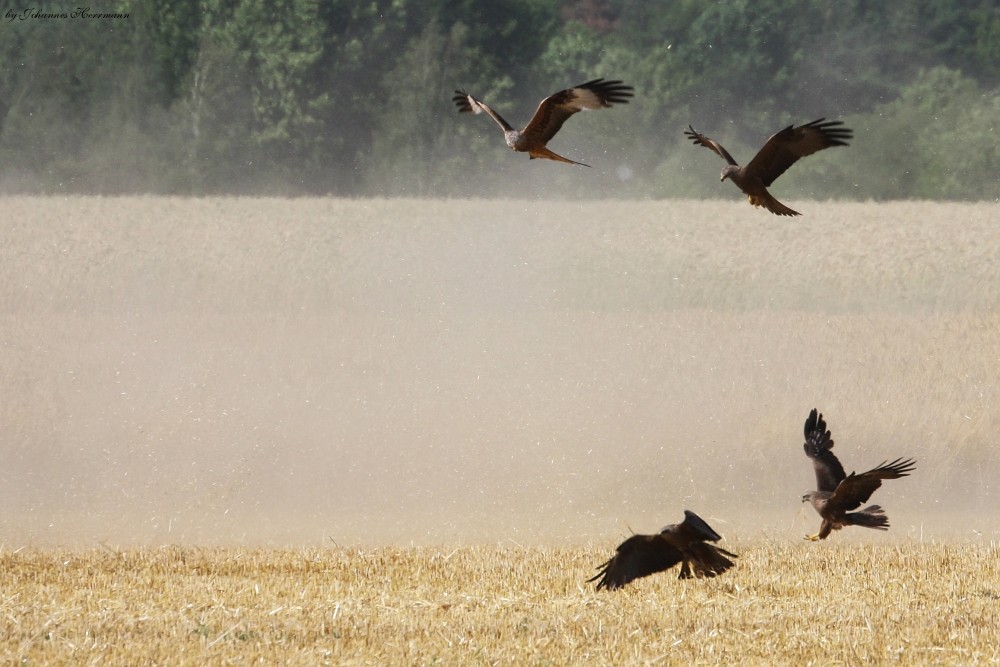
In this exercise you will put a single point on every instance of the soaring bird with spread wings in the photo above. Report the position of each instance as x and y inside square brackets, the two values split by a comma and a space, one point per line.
[781, 151]
[550, 114]
[839, 493]
[684, 543]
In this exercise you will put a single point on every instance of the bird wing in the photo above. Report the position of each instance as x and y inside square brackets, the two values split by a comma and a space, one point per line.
[553, 111]
[786, 147]
[693, 528]
[689, 537]
[701, 140]
[638, 556]
[829, 472]
[856, 489]
[468, 104]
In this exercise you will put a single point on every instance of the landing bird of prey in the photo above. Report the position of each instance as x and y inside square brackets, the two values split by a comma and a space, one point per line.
[838, 493]
[780, 152]
[550, 114]
[684, 542]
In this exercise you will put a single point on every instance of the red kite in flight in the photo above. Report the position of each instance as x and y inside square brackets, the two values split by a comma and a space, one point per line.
[550, 114]
[781, 151]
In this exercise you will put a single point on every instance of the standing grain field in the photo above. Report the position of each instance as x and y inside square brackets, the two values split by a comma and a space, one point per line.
[405, 432]
[273, 372]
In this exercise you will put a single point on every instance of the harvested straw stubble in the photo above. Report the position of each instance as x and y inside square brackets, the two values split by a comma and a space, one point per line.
[904, 603]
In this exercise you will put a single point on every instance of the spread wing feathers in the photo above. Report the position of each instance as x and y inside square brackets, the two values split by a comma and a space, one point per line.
[638, 556]
[701, 140]
[856, 489]
[786, 147]
[468, 104]
[818, 444]
[555, 109]
[643, 555]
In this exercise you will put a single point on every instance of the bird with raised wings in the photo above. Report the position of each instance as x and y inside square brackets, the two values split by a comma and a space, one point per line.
[781, 151]
[550, 115]
[837, 493]
[684, 543]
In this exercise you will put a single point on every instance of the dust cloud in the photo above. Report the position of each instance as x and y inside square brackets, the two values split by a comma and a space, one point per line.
[316, 372]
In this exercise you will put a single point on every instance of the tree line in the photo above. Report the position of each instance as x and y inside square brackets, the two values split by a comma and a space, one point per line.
[352, 97]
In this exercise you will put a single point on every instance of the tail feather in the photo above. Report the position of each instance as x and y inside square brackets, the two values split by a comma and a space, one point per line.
[706, 560]
[872, 516]
[775, 206]
[544, 152]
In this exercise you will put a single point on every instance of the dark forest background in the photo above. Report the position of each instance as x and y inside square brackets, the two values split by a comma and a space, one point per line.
[352, 97]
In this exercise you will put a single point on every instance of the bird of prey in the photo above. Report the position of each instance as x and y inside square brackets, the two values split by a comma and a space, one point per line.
[684, 542]
[550, 114]
[837, 493]
[780, 152]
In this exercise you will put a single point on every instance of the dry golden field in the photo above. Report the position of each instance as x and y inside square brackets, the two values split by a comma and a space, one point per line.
[268, 372]
[297, 430]
[785, 603]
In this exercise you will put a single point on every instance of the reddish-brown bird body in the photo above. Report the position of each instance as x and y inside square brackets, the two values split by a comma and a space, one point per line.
[550, 115]
[780, 152]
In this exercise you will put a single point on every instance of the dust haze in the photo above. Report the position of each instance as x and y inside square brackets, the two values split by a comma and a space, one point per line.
[275, 372]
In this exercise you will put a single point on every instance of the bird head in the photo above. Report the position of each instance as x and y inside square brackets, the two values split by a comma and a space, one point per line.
[728, 171]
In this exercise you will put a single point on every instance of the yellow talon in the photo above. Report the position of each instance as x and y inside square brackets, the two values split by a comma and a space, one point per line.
[813, 538]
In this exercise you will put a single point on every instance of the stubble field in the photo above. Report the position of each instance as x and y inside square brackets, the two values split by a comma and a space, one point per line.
[784, 603]
[405, 432]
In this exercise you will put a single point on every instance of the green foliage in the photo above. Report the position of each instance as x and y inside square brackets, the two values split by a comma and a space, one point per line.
[170, 31]
[415, 153]
[353, 96]
[66, 87]
[937, 140]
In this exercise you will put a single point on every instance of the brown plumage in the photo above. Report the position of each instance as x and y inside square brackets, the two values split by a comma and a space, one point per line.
[684, 542]
[550, 114]
[838, 493]
[781, 151]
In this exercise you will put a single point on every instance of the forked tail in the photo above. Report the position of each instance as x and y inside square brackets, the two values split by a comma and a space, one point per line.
[771, 204]
[544, 152]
